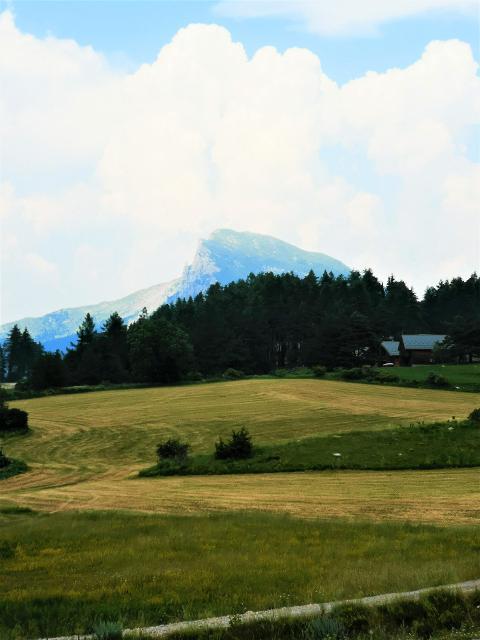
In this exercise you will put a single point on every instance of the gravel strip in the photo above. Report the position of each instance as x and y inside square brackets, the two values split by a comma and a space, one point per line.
[302, 611]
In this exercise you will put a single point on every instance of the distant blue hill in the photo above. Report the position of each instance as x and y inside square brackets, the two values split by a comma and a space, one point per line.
[223, 257]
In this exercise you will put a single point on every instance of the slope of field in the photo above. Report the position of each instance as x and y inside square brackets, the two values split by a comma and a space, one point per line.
[97, 431]
[85, 449]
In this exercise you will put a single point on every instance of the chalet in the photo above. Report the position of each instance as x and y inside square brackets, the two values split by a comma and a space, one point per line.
[418, 348]
[390, 352]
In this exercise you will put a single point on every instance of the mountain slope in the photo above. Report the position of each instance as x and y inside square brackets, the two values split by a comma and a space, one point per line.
[225, 256]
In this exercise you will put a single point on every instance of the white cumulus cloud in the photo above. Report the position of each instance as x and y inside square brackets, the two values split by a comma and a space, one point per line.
[111, 177]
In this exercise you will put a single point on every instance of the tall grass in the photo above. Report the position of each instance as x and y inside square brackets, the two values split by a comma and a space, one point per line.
[65, 573]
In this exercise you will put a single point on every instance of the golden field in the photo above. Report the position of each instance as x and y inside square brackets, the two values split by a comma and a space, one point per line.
[85, 451]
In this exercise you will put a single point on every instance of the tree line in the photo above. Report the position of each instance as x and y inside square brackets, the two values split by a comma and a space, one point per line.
[255, 325]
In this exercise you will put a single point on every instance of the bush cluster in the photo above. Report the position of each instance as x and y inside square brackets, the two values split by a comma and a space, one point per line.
[173, 454]
[4, 461]
[436, 380]
[233, 374]
[238, 447]
[475, 416]
[172, 449]
[12, 419]
[368, 374]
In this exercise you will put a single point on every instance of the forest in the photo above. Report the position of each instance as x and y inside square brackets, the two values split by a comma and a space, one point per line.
[256, 325]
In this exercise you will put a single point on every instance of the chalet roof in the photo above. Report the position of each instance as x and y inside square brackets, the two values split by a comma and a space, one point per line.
[391, 347]
[422, 341]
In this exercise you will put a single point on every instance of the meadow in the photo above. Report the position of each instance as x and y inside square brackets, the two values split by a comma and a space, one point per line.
[63, 572]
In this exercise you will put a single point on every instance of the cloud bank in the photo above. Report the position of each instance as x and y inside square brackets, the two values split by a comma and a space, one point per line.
[109, 178]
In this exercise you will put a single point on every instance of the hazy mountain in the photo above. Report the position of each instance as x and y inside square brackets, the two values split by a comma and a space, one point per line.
[225, 256]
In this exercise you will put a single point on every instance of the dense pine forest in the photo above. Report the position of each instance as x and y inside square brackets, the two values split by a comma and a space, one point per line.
[255, 325]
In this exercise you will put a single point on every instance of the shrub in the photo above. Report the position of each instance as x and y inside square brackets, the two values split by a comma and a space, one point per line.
[475, 416]
[4, 461]
[172, 449]
[17, 420]
[233, 374]
[108, 631]
[238, 447]
[383, 376]
[436, 380]
[353, 374]
[319, 371]
[12, 419]
[194, 376]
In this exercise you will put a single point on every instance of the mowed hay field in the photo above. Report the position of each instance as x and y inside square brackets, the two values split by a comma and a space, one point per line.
[85, 450]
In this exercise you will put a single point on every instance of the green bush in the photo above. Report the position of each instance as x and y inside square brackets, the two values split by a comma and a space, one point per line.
[319, 371]
[4, 461]
[233, 374]
[13, 419]
[172, 449]
[194, 376]
[108, 631]
[238, 447]
[475, 416]
[437, 380]
[384, 376]
[10, 467]
[356, 373]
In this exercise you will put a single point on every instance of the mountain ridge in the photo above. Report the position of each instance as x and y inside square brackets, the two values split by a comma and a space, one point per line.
[223, 257]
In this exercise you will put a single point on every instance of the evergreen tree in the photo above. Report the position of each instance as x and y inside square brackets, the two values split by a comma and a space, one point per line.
[114, 349]
[86, 331]
[48, 372]
[13, 351]
[159, 351]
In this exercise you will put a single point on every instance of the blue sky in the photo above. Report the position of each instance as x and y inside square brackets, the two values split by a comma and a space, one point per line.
[131, 33]
[132, 129]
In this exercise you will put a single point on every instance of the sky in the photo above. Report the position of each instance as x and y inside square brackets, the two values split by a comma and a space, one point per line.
[130, 130]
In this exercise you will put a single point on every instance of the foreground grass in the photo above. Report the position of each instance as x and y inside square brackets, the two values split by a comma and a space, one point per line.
[65, 572]
[439, 615]
[441, 445]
